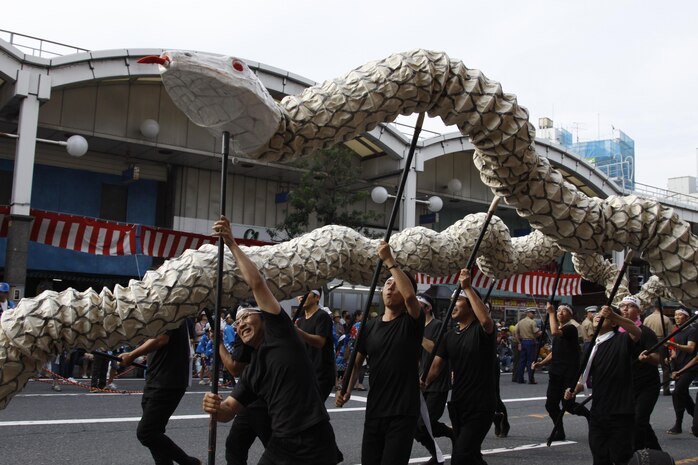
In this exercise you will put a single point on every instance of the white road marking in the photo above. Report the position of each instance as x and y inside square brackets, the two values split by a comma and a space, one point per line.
[502, 450]
[84, 421]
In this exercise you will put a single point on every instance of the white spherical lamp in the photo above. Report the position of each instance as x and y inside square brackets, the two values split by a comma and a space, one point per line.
[454, 186]
[435, 204]
[150, 128]
[379, 194]
[76, 146]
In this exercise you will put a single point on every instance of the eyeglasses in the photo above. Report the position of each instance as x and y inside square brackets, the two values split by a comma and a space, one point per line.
[244, 317]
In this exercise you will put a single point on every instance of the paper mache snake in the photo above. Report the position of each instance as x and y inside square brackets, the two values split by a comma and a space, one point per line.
[222, 93]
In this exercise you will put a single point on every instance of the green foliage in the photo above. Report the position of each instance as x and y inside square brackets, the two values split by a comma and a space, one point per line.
[328, 189]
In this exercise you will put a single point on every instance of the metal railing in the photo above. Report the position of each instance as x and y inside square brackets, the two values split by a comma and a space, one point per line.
[37, 46]
[664, 195]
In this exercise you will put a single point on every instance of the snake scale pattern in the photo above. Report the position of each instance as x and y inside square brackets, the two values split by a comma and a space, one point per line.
[207, 89]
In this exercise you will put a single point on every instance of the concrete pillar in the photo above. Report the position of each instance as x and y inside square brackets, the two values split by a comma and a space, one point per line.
[32, 89]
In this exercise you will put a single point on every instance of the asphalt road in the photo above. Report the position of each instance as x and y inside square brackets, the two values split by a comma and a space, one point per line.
[74, 427]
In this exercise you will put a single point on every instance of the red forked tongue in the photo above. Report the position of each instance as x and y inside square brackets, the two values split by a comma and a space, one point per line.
[154, 59]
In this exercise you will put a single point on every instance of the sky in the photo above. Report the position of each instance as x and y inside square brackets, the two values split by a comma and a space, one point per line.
[589, 65]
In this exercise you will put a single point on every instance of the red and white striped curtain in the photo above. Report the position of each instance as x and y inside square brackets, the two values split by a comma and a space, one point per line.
[89, 235]
[530, 283]
[159, 242]
[100, 237]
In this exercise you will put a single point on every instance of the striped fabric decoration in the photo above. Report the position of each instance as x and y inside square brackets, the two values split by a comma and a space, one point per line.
[530, 283]
[88, 235]
[167, 243]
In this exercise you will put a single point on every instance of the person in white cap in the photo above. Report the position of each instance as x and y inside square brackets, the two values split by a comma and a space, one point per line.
[586, 328]
[662, 326]
[689, 366]
[436, 395]
[469, 349]
[564, 366]
[684, 348]
[646, 384]
[279, 372]
[612, 413]
[314, 326]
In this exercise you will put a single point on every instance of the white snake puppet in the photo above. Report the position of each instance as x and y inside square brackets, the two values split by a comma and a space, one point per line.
[212, 90]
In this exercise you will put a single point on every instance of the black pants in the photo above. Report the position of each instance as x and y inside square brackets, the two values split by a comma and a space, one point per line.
[681, 398]
[388, 440]
[158, 405]
[470, 429]
[436, 404]
[645, 399]
[314, 446]
[250, 424]
[609, 440]
[100, 367]
[557, 384]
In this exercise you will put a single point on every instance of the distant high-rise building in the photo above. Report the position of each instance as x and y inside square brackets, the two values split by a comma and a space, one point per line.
[615, 157]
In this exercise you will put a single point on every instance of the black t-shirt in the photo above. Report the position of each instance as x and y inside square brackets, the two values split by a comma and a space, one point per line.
[644, 373]
[683, 338]
[320, 324]
[565, 351]
[281, 373]
[443, 382]
[470, 355]
[612, 374]
[393, 348]
[168, 367]
[241, 352]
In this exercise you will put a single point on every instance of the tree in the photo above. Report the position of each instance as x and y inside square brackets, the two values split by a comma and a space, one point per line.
[328, 189]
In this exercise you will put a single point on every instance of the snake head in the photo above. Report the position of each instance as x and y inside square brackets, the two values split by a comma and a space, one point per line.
[220, 93]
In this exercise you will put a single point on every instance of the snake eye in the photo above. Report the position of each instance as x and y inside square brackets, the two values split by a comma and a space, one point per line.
[238, 66]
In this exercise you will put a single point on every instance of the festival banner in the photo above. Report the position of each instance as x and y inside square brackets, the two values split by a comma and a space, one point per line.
[101, 237]
[88, 235]
[530, 283]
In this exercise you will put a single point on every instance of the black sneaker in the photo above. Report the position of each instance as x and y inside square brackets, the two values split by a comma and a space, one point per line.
[497, 424]
[505, 427]
[559, 436]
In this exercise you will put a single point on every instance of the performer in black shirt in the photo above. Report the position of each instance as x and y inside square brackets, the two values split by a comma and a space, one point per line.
[315, 329]
[392, 344]
[436, 395]
[469, 348]
[280, 372]
[685, 347]
[166, 381]
[612, 409]
[564, 366]
[677, 374]
[646, 385]
[253, 421]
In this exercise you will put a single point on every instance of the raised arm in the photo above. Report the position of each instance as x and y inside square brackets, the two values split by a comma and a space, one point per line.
[479, 308]
[629, 326]
[403, 283]
[554, 324]
[250, 273]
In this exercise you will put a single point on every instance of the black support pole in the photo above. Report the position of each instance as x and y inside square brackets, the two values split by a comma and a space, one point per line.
[213, 421]
[551, 300]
